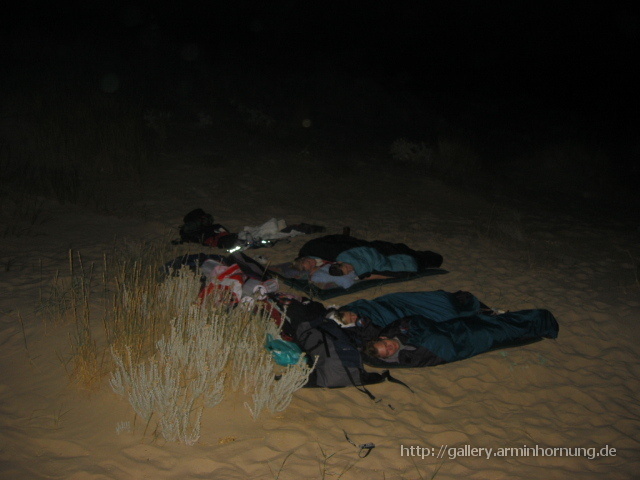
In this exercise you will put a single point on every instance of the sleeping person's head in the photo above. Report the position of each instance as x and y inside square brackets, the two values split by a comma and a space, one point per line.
[346, 317]
[382, 347]
[339, 269]
[305, 264]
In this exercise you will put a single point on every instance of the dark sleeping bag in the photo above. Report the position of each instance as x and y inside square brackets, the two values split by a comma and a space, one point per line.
[433, 343]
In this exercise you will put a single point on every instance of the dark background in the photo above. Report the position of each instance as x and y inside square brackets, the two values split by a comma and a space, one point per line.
[525, 86]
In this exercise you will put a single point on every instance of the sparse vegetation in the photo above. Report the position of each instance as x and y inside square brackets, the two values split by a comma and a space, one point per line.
[169, 352]
[55, 302]
[210, 348]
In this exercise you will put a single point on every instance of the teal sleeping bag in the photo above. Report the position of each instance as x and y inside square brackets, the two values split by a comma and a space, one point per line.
[437, 305]
[427, 342]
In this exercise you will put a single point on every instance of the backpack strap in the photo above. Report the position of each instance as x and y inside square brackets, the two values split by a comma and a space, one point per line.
[360, 388]
[387, 375]
[324, 334]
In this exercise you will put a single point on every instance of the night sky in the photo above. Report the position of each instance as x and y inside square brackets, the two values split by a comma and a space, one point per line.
[481, 62]
[558, 48]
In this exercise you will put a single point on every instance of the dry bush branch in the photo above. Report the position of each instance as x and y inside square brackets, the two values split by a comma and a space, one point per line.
[210, 346]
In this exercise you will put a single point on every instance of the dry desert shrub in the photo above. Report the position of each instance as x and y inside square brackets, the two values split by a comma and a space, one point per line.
[211, 347]
[172, 353]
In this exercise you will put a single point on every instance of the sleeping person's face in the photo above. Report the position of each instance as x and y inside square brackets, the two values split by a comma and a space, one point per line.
[345, 268]
[348, 317]
[387, 347]
[308, 264]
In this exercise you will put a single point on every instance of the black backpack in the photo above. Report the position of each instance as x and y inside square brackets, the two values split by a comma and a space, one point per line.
[338, 360]
[339, 363]
[199, 227]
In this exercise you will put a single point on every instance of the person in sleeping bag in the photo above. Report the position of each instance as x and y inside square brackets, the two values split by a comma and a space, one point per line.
[368, 259]
[437, 305]
[325, 272]
[334, 273]
[418, 341]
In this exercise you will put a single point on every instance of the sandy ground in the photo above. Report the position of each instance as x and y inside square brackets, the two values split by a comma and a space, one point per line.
[579, 391]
